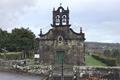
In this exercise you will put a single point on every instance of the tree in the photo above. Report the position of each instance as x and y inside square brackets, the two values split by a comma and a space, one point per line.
[107, 52]
[4, 39]
[23, 40]
[118, 59]
[115, 52]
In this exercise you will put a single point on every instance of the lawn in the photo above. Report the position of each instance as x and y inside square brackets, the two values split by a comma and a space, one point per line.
[90, 61]
[10, 53]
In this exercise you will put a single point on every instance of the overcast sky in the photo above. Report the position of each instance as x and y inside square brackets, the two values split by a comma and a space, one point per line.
[100, 19]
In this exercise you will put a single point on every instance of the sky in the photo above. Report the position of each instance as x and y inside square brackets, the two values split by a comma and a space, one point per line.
[100, 19]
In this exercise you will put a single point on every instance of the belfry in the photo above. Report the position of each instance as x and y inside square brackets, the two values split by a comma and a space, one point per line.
[61, 43]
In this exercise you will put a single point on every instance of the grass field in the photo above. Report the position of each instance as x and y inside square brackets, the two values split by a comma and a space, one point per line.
[90, 61]
[10, 53]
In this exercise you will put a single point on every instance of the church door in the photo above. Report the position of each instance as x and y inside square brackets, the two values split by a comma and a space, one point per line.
[60, 57]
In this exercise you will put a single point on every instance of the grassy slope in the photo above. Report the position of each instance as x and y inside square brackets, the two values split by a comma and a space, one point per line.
[11, 53]
[90, 61]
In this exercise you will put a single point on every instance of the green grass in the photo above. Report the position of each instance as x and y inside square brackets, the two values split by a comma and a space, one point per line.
[10, 53]
[90, 61]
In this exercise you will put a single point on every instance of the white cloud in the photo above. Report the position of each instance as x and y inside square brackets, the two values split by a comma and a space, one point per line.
[12, 10]
[98, 17]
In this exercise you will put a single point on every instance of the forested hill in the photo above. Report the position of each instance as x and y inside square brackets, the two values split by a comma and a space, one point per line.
[100, 47]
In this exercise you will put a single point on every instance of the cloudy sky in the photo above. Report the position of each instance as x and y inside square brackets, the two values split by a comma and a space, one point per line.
[100, 19]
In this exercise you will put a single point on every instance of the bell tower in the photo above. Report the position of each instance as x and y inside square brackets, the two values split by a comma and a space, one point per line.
[60, 17]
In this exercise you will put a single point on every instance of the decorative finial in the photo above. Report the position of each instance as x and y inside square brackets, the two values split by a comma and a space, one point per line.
[40, 32]
[53, 9]
[80, 29]
[67, 8]
[60, 4]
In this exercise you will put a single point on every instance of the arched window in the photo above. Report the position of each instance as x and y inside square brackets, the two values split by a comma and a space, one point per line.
[64, 19]
[60, 10]
[57, 20]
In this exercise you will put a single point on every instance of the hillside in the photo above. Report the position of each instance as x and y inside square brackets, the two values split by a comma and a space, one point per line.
[100, 47]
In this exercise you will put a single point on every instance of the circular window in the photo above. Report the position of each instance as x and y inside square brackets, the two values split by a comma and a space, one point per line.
[60, 38]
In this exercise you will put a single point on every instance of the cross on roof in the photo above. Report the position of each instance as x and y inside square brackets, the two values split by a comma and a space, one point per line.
[60, 4]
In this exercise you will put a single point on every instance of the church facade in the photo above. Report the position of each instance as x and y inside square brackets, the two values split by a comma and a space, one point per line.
[61, 43]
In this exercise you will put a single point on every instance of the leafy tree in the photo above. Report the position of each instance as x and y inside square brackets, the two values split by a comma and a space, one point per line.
[23, 40]
[107, 52]
[4, 39]
[115, 52]
[36, 45]
[118, 59]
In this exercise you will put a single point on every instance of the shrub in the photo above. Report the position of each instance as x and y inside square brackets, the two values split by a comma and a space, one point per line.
[105, 60]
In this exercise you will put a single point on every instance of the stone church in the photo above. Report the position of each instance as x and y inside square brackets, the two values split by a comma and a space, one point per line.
[61, 43]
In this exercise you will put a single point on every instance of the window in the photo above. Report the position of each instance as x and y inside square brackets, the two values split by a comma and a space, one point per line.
[60, 39]
[60, 10]
[57, 20]
[64, 19]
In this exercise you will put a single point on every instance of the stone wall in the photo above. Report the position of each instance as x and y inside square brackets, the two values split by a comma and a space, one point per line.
[74, 51]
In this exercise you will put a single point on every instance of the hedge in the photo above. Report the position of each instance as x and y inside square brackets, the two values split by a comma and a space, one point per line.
[105, 60]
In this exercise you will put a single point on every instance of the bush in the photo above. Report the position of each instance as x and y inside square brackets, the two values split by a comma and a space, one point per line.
[105, 60]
